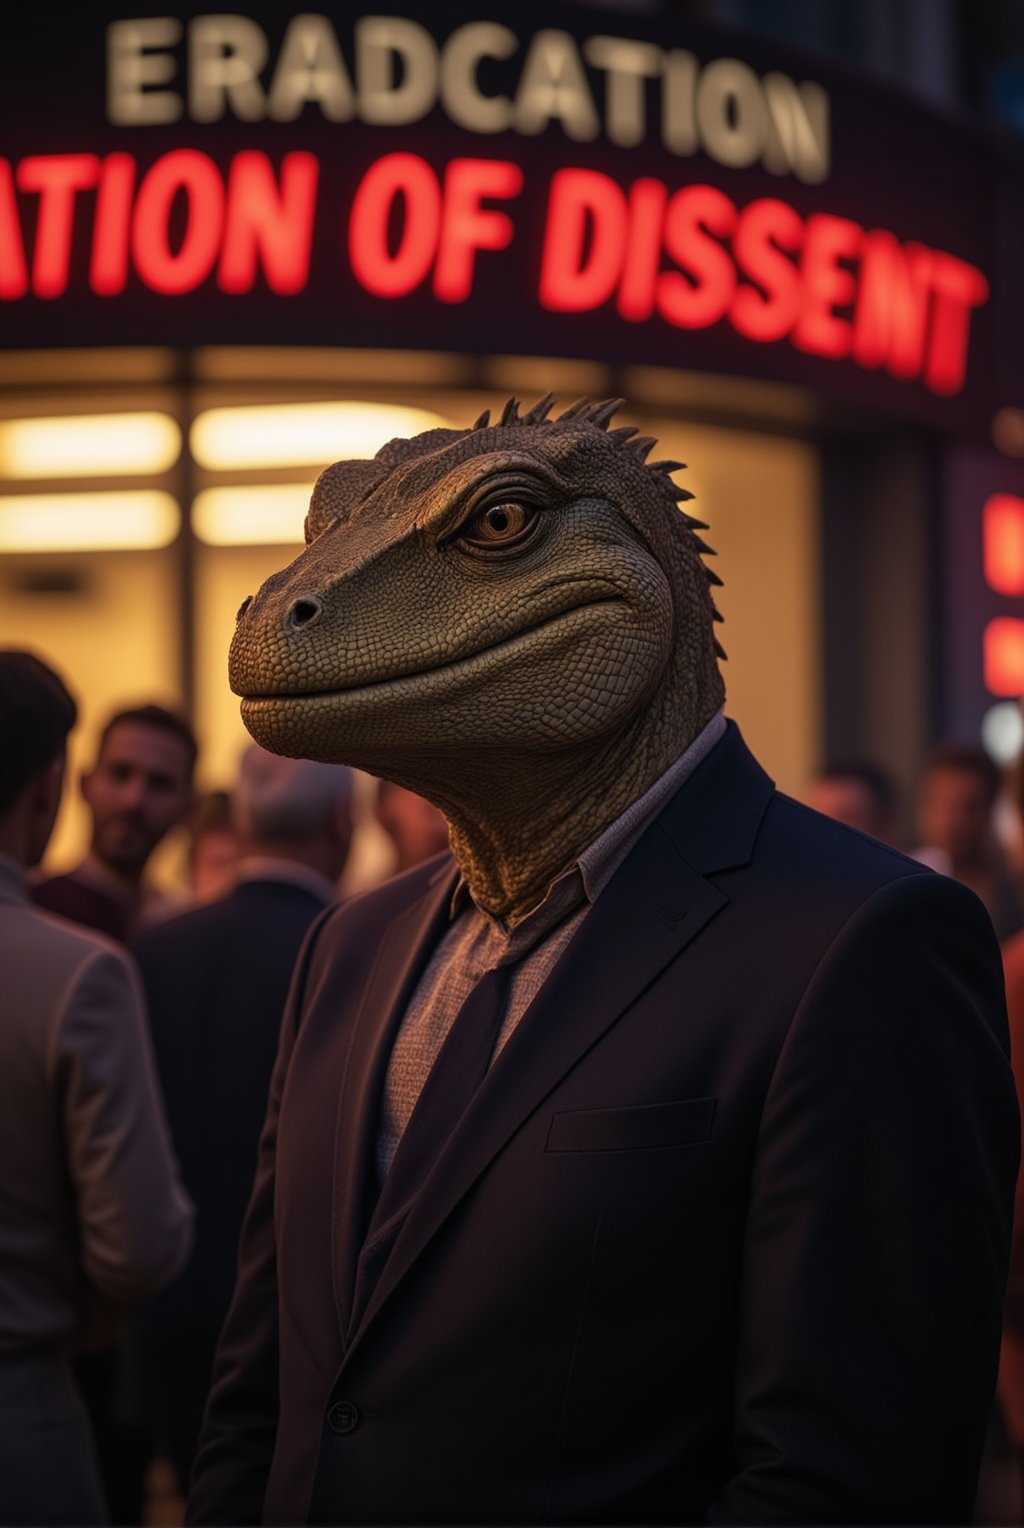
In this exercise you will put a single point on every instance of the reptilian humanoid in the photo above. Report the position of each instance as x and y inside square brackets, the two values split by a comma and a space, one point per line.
[718, 1232]
[512, 620]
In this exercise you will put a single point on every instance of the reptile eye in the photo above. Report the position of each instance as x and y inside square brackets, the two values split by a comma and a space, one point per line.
[500, 525]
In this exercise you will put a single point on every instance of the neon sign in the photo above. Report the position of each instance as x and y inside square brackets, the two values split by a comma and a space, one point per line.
[396, 73]
[831, 287]
[256, 219]
[686, 256]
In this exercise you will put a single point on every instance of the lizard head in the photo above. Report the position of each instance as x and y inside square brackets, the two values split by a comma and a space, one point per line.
[513, 620]
[524, 585]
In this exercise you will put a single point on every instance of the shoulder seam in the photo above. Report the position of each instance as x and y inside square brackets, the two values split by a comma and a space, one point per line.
[892, 853]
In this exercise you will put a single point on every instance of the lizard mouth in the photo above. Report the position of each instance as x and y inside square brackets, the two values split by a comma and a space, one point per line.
[441, 677]
[467, 663]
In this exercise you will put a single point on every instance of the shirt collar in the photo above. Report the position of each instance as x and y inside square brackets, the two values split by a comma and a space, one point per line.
[599, 862]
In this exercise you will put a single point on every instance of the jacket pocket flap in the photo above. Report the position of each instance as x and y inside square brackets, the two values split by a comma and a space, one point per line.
[633, 1129]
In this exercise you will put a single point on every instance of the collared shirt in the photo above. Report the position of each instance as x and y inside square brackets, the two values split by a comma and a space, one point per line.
[476, 942]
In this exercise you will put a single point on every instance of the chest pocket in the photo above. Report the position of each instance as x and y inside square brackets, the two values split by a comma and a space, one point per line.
[643, 1127]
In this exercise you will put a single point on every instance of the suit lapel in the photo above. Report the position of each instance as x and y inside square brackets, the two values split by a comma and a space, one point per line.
[654, 906]
[403, 952]
[581, 999]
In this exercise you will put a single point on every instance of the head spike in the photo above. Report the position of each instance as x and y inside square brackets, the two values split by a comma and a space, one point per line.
[482, 422]
[720, 651]
[540, 410]
[622, 432]
[510, 413]
[642, 446]
[664, 466]
[602, 413]
[703, 548]
[575, 409]
[713, 578]
[678, 492]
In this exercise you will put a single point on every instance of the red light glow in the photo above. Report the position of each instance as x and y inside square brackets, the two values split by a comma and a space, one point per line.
[1004, 656]
[1003, 542]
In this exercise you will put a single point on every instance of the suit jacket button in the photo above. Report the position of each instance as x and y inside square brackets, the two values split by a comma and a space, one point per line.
[343, 1417]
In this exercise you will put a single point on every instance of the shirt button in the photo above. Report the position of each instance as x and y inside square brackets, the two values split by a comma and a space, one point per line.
[343, 1417]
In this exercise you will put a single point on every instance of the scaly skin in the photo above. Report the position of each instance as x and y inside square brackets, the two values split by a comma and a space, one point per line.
[513, 620]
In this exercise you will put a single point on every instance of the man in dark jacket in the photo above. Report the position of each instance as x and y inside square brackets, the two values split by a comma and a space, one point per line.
[216, 979]
[652, 1159]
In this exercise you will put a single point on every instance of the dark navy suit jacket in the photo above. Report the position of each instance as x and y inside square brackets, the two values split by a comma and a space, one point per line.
[216, 980]
[723, 1235]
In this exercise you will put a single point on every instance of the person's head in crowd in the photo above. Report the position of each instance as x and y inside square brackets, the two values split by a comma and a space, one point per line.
[140, 786]
[858, 793]
[294, 809]
[416, 828]
[36, 714]
[215, 847]
[959, 788]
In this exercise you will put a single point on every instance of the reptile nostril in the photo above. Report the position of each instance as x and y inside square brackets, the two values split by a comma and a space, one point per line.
[304, 612]
[243, 607]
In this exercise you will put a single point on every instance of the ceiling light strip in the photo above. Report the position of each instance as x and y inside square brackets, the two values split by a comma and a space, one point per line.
[140, 520]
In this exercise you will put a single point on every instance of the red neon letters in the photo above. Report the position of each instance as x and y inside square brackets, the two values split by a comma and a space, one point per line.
[56, 179]
[268, 223]
[259, 219]
[442, 227]
[831, 287]
[13, 270]
[689, 257]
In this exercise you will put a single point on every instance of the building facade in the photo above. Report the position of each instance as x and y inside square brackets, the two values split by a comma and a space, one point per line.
[235, 248]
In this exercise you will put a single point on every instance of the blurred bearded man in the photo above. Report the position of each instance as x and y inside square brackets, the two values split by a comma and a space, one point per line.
[138, 790]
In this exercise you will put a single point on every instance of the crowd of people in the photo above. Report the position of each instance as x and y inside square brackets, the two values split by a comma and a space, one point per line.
[139, 1038]
[968, 825]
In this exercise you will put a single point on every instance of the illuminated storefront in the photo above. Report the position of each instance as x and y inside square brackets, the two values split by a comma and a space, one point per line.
[235, 247]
